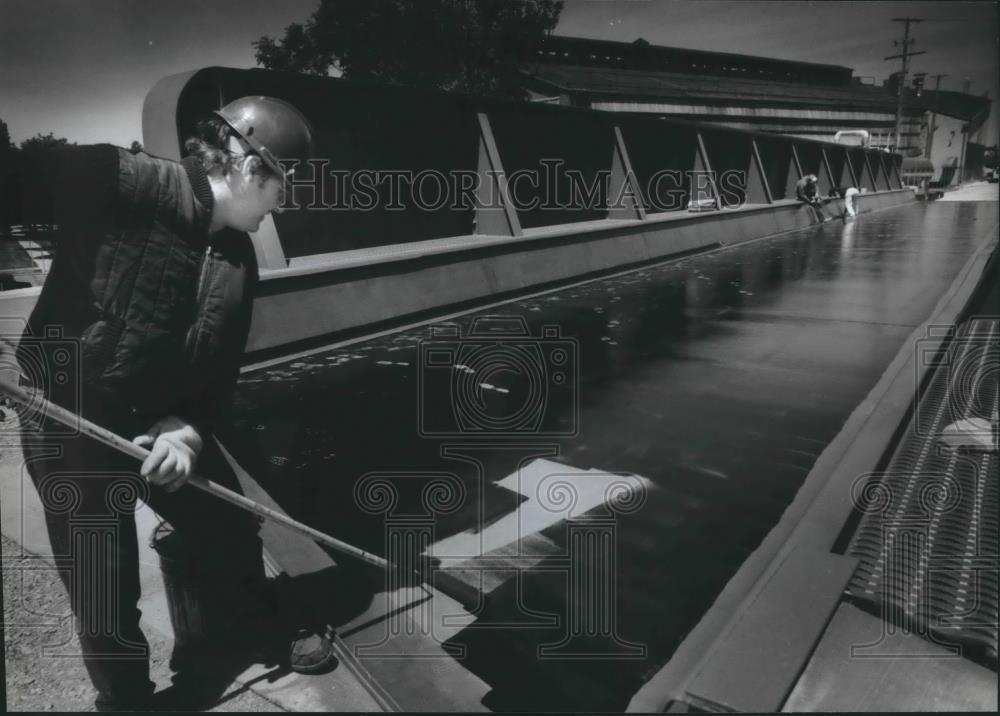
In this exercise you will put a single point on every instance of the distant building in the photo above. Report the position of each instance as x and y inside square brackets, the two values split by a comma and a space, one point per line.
[802, 99]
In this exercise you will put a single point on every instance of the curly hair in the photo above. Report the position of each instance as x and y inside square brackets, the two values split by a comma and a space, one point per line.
[209, 144]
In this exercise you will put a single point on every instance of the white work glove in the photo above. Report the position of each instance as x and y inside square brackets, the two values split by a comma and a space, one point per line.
[176, 445]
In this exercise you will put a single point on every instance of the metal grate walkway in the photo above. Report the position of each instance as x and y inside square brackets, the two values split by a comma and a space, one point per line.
[928, 538]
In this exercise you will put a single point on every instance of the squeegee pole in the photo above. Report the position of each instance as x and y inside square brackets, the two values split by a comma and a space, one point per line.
[112, 440]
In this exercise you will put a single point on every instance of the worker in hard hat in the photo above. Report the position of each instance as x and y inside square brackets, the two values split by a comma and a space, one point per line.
[145, 315]
[807, 191]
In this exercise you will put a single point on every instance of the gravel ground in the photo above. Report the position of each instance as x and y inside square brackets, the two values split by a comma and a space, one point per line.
[35, 682]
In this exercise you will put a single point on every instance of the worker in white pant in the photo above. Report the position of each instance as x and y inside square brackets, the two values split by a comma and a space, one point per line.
[851, 202]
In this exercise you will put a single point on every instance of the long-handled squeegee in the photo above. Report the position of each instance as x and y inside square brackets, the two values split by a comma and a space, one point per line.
[119, 443]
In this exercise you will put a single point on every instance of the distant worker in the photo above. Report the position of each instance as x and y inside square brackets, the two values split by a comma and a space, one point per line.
[851, 197]
[807, 191]
[852, 203]
[153, 280]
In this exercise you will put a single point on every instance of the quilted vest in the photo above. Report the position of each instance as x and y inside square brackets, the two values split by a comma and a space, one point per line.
[156, 309]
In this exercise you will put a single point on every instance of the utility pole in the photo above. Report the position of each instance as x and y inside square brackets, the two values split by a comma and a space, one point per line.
[906, 55]
[933, 127]
[966, 89]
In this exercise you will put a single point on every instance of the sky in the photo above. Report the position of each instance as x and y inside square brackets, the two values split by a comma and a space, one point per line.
[81, 68]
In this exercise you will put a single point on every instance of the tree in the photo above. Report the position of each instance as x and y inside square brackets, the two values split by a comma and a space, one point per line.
[43, 141]
[473, 46]
[9, 211]
[5, 144]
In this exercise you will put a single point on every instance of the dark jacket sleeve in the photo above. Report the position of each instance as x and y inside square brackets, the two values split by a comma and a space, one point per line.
[218, 381]
[71, 186]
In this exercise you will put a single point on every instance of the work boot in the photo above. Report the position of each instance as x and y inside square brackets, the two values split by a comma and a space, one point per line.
[311, 652]
[306, 650]
[300, 602]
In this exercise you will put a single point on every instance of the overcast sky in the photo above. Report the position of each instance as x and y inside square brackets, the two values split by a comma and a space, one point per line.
[81, 68]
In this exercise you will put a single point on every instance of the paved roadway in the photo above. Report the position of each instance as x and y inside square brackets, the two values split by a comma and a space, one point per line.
[717, 378]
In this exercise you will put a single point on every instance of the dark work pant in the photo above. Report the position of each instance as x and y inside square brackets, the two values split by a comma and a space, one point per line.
[89, 493]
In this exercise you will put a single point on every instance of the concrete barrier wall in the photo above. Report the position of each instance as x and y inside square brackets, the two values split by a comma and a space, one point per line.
[335, 298]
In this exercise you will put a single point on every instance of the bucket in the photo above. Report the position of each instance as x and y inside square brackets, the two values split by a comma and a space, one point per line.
[187, 597]
[207, 596]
